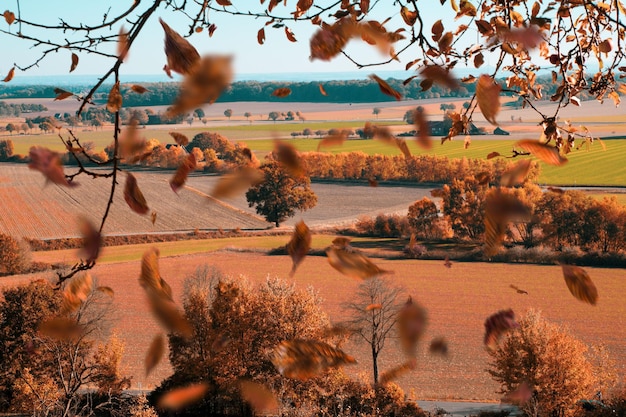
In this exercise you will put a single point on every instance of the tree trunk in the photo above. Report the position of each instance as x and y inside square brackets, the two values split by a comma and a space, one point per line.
[375, 363]
[277, 224]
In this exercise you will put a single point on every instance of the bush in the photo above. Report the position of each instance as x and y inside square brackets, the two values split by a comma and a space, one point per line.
[14, 255]
[383, 225]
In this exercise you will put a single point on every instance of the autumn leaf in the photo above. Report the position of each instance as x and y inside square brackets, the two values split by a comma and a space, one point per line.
[92, 240]
[133, 195]
[232, 184]
[49, 164]
[281, 92]
[516, 174]
[322, 90]
[409, 17]
[422, 129]
[122, 44]
[74, 62]
[61, 328]
[189, 165]
[290, 35]
[500, 208]
[260, 398]
[139, 89]
[397, 372]
[62, 94]
[492, 155]
[299, 245]
[114, 102]
[304, 359]
[224, 2]
[439, 75]
[438, 346]
[106, 290]
[212, 29]
[153, 217]
[488, 97]
[182, 57]
[548, 154]
[496, 326]
[76, 292]
[179, 398]
[155, 353]
[9, 17]
[179, 138]
[260, 36]
[411, 326]
[385, 87]
[520, 395]
[580, 284]
[373, 307]
[353, 264]
[10, 75]
[289, 157]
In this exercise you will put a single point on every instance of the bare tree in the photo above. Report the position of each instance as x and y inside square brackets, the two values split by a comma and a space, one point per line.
[374, 315]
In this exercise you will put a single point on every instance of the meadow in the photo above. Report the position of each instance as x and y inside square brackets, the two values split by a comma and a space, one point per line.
[457, 299]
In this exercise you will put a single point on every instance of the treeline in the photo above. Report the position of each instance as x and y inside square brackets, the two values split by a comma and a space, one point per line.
[339, 91]
[15, 109]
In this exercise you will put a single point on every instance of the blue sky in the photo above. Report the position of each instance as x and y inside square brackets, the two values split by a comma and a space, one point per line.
[234, 36]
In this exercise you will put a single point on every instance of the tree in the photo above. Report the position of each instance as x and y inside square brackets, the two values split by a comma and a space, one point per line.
[424, 219]
[463, 207]
[247, 115]
[199, 113]
[14, 255]
[207, 140]
[11, 128]
[549, 360]
[273, 115]
[228, 113]
[280, 195]
[307, 132]
[376, 111]
[6, 149]
[374, 325]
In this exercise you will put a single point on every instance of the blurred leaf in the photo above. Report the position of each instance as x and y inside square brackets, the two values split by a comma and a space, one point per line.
[548, 154]
[133, 195]
[49, 164]
[411, 326]
[122, 44]
[398, 371]
[299, 245]
[179, 398]
[386, 88]
[182, 57]
[179, 138]
[261, 399]
[353, 264]
[580, 284]
[496, 326]
[281, 92]
[92, 240]
[516, 174]
[9, 17]
[180, 177]
[438, 346]
[138, 88]
[488, 97]
[114, 102]
[155, 353]
[304, 359]
[232, 184]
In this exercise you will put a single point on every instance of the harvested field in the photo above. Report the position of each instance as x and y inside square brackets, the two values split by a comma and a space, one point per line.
[458, 301]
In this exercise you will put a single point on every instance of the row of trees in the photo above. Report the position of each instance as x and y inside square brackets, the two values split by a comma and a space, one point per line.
[16, 109]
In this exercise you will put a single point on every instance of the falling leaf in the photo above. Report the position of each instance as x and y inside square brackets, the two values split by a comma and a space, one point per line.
[133, 195]
[299, 245]
[179, 398]
[496, 326]
[341, 242]
[153, 217]
[422, 129]
[61, 328]
[179, 138]
[92, 240]
[579, 284]
[260, 36]
[189, 165]
[281, 92]
[492, 155]
[290, 35]
[212, 29]
[74, 62]
[49, 164]
[62, 94]
[516, 174]
[332, 140]
[373, 307]
[353, 264]
[106, 290]
[182, 57]
[150, 277]
[439, 75]
[304, 359]
[447, 263]
[548, 154]
[438, 346]
[76, 292]
[500, 208]
[10, 75]
[232, 184]
[224, 2]
[411, 325]
[140, 89]
[488, 97]
[518, 290]
[385, 87]
[155, 353]
[114, 102]
[9, 17]
[520, 395]
[365, 6]
[288, 156]
[260, 398]
[398, 371]
[322, 90]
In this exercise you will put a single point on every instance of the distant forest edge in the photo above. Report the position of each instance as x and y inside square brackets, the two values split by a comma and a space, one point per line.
[341, 91]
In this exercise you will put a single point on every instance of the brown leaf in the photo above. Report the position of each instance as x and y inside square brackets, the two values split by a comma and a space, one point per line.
[299, 245]
[479, 60]
[182, 57]
[437, 30]
[179, 398]
[10, 75]
[203, 83]
[106, 290]
[9, 17]
[114, 102]
[365, 6]
[496, 326]
[398, 371]
[409, 16]
[322, 90]
[224, 2]
[467, 142]
[290, 35]
[500, 207]
[411, 326]
[49, 164]
[516, 174]
[579, 284]
[281, 92]
[373, 307]
[74, 62]
[492, 155]
[439, 346]
[133, 195]
[488, 97]
[212, 29]
[179, 178]
[289, 157]
[60, 328]
[422, 130]
[260, 36]
[520, 395]
[140, 89]
[155, 353]
[341, 241]
[62, 94]
[153, 217]
[260, 398]
[232, 184]
[548, 154]
[386, 88]
[179, 138]
[76, 292]
[92, 240]
[304, 359]
[353, 264]
[122, 44]
[439, 75]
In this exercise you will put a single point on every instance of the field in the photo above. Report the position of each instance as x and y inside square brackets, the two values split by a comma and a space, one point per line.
[458, 300]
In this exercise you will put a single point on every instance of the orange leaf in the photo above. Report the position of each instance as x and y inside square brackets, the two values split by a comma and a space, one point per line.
[385, 87]
[49, 164]
[516, 174]
[122, 44]
[181, 55]
[10, 75]
[332, 140]
[398, 371]
[579, 284]
[139, 89]
[232, 184]
[92, 240]
[322, 90]
[62, 94]
[422, 129]
[488, 97]
[281, 92]
[212, 29]
[299, 245]
[353, 264]
[365, 6]
[155, 353]
[410, 17]
[181, 139]
[548, 154]
[439, 75]
[288, 156]
[290, 35]
[114, 102]
[74, 62]
[181, 397]
[260, 398]
[133, 195]
[76, 292]
[411, 325]
[179, 178]
[304, 359]
[260, 36]
[492, 155]
[9, 17]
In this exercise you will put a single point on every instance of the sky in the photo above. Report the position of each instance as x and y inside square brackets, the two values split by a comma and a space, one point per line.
[236, 36]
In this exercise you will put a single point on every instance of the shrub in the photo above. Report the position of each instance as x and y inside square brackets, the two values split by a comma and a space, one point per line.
[14, 255]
